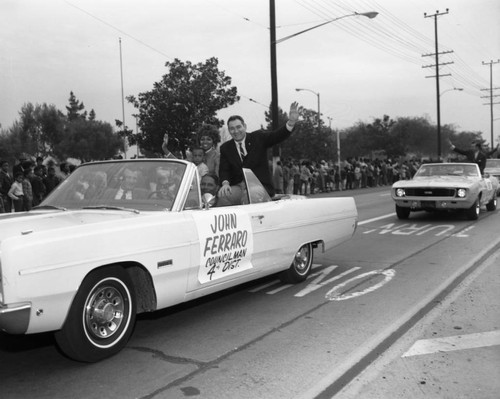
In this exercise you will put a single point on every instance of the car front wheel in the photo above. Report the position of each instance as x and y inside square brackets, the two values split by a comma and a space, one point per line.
[101, 318]
[492, 205]
[402, 213]
[301, 265]
[473, 212]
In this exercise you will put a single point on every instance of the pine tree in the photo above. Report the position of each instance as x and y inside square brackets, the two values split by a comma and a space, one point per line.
[75, 108]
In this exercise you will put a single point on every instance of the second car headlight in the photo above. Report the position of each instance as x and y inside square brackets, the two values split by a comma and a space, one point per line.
[400, 192]
[461, 192]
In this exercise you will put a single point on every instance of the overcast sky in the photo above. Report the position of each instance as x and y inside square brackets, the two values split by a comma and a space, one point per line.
[363, 68]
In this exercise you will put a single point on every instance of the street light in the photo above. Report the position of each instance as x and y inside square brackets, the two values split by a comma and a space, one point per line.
[317, 95]
[455, 88]
[370, 15]
[274, 74]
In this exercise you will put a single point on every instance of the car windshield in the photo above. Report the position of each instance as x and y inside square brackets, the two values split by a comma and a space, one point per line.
[135, 184]
[493, 163]
[447, 170]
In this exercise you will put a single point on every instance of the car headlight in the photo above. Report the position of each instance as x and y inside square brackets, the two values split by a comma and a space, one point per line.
[461, 192]
[400, 192]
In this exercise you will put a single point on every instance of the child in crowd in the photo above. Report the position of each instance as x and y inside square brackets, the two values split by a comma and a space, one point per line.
[198, 155]
[16, 192]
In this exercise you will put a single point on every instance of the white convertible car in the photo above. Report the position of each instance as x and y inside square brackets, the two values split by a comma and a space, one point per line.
[118, 238]
[446, 187]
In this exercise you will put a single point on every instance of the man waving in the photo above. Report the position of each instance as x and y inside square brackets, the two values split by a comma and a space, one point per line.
[249, 150]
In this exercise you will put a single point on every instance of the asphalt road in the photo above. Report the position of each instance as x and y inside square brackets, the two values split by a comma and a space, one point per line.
[269, 340]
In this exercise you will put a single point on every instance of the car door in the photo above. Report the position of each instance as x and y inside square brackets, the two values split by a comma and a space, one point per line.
[224, 249]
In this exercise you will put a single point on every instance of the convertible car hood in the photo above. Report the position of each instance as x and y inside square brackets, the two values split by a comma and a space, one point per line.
[14, 224]
[437, 181]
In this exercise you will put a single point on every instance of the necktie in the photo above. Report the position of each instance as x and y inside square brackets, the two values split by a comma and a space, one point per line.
[242, 151]
[124, 195]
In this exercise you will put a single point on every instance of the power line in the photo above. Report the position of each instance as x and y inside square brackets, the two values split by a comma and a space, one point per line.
[118, 30]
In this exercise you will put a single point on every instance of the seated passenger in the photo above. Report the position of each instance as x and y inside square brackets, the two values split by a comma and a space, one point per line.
[165, 184]
[210, 184]
[97, 187]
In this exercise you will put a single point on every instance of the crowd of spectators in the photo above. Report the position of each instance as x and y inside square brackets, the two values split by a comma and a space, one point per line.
[306, 177]
[26, 183]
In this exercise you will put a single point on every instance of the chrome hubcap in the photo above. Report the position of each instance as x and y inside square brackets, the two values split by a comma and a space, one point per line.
[104, 312]
[302, 259]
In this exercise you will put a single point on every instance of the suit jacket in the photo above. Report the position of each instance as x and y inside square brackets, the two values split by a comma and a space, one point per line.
[256, 144]
[471, 157]
[137, 193]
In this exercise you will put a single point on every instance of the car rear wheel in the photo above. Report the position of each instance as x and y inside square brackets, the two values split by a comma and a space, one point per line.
[473, 212]
[301, 265]
[101, 318]
[402, 213]
[492, 205]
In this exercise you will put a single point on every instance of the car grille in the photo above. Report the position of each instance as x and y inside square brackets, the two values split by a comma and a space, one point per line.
[430, 192]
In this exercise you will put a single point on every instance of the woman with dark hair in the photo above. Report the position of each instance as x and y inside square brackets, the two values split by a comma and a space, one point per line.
[208, 138]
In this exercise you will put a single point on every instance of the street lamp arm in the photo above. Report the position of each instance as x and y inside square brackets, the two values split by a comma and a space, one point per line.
[307, 90]
[455, 88]
[370, 15]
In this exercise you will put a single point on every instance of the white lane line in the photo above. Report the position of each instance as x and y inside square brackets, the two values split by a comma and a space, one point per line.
[264, 286]
[375, 219]
[283, 287]
[324, 273]
[454, 343]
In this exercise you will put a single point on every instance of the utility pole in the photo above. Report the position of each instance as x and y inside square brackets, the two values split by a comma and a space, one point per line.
[274, 79]
[491, 96]
[437, 76]
[125, 145]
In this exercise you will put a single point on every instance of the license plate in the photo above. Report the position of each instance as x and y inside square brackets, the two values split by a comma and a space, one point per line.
[428, 204]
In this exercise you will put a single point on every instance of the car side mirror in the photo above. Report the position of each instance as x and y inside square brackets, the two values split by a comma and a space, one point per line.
[208, 200]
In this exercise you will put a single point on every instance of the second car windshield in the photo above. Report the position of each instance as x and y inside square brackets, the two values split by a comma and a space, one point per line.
[447, 170]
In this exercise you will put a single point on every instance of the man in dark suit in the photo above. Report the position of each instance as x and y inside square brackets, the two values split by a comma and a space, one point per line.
[249, 151]
[127, 189]
[474, 154]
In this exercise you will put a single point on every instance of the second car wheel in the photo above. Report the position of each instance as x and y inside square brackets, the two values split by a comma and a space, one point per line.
[101, 318]
[492, 205]
[301, 265]
[473, 212]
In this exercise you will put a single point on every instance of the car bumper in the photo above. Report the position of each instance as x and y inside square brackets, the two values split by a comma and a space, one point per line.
[14, 319]
[433, 204]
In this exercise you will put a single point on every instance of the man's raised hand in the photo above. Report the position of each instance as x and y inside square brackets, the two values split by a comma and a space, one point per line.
[293, 115]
